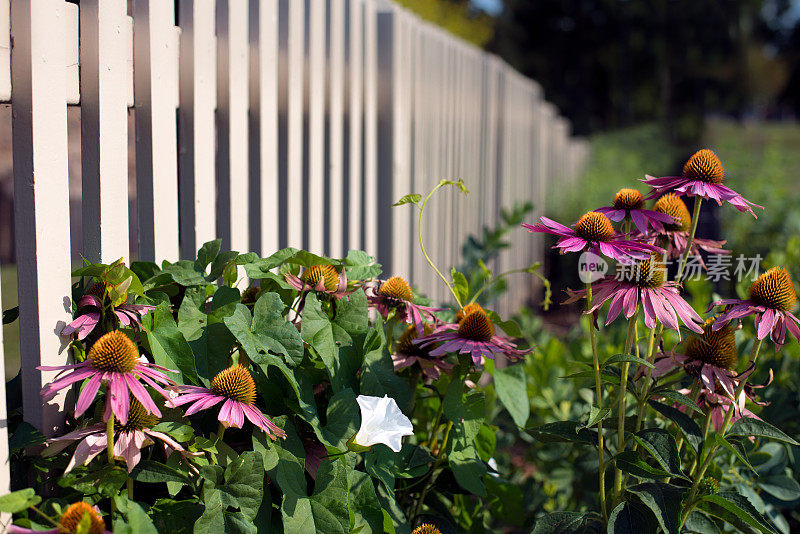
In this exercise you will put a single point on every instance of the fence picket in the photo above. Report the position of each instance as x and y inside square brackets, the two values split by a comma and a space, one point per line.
[355, 102]
[197, 134]
[314, 131]
[155, 80]
[334, 165]
[39, 133]
[232, 124]
[104, 129]
[263, 126]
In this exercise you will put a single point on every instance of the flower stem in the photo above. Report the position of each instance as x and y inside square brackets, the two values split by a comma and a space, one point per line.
[651, 343]
[623, 392]
[220, 431]
[703, 466]
[698, 201]
[422, 245]
[599, 398]
[110, 439]
[129, 484]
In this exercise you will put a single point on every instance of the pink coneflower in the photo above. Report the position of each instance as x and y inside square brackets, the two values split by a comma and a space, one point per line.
[644, 281]
[322, 279]
[89, 307]
[396, 294]
[129, 439]
[630, 203]
[70, 520]
[719, 403]
[772, 298]
[712, 356]
[676, 234]
[113, 359]
[595, 232]
[407, 354]
[234, 387]
[473, 333]
[702, 176]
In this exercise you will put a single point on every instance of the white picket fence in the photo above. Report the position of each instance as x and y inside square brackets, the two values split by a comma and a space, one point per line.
[268, 123]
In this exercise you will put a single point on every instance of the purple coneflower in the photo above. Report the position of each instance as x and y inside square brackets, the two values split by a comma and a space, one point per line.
[322, 279]
[473, 333]
[89, 307]
[407, 354]
[235, 388]
[772, 298]
[70, 520]
[129, 439]
[702, 176]
[643, 281]
[595, 232]
[712, 356]
[396, 294]
[630, 203]
[113, 359]
[676, 234]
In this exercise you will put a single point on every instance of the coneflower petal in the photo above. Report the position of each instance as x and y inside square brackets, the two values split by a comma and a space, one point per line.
[88, 395]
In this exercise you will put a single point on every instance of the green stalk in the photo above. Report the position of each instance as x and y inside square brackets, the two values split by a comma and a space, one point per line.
[646, 386]
[220, 431]
[698, 475]
[599, 396]
[422, 245]
[623, 392]
[698, 201]
[110, 439]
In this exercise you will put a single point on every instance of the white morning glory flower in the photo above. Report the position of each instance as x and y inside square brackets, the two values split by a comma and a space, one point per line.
[382, 422]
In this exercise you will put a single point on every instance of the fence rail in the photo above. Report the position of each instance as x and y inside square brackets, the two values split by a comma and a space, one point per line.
[268, 123]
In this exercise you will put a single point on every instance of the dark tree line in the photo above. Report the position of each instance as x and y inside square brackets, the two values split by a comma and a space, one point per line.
[612, 63]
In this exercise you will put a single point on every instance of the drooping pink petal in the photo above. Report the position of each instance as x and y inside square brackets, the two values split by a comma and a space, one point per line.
[88, 394]
[80, 373]
[91, 446]
[142, 395]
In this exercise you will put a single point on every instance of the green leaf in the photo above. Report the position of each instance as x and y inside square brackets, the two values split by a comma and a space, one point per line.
[561, 523]
[412, 198]
[18, 501]
[509, 327]
[505, 500]
[361, 266]
[326, 510]
[460, 285]
[627, 358]
[155, 472]
[377, 376]
[486, 442]
[564, 431]
[266, 331]
[596, 415]
[687, 426]
[363, 503]
[630, 517]
[512, 391]
[242, 486]
[749, 426]
[467, 414]
[342, 420]
[136, 519]
[181, 432]
[662, 447]
[664, 500]
[10, 315]
[736, 510]
[207, 253]
[316, 330]
[168, 346]
[736, 450]
[780, 486]
[209, 339]
[700, 524]
[217, 518]
[176, 517]
[457, 183]
[468, 469]
[630, 462]
[675, 396]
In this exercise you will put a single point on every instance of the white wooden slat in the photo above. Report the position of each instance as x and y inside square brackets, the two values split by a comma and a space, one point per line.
[5, 53]
[104, 129]
[419, 132]
[355, 117]
[264, 126]
[314, 171]
[370, 178]
[291, 67]
[155, 78]
[335, 134]
[232, 124]
[71, 42]
[39, 133]
[198, 100]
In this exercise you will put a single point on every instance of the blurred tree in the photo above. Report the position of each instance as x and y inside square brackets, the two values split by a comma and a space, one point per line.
[457, 17]
[611, 63]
